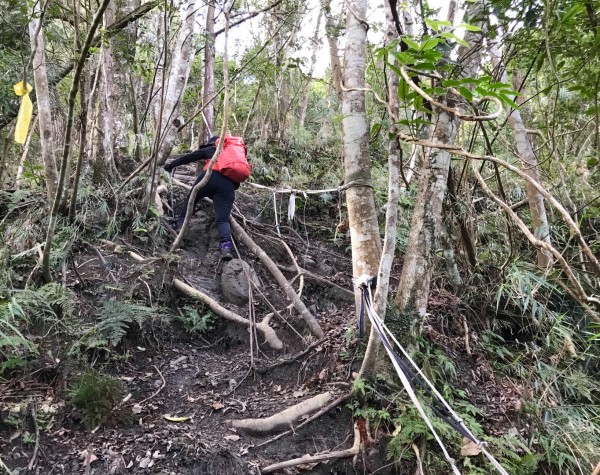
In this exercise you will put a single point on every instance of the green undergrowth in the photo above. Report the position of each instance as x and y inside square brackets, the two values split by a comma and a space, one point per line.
[539, 349]
[98, 396]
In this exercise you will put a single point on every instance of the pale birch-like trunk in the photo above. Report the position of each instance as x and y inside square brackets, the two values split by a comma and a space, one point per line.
[408, 21]
[427, 226]
[42, 95]
[124, 102]
[207, 126]
[529, 161]
[362, 214]
[415, 280]
[391, 220]
[334, 55]
[108, 117]
[313, 60]
[174, 86]
[181, 64]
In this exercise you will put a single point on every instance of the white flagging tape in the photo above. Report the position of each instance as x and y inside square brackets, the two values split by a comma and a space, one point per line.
[291, 208]
[382, 329]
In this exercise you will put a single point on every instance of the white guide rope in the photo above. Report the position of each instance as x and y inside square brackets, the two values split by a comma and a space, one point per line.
[364, 282]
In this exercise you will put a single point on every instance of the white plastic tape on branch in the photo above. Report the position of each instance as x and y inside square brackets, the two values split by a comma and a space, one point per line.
[291, 208]
[404, 371]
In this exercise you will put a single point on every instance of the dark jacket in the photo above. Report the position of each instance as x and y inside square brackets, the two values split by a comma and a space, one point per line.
[205, 152]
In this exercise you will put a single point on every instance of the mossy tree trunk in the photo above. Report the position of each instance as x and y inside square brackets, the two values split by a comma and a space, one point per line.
[426, 225]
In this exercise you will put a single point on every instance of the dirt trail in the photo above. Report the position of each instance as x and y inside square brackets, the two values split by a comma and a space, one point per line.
[190, 386]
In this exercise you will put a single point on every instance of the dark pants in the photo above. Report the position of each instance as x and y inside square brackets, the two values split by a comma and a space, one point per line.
[221, 190]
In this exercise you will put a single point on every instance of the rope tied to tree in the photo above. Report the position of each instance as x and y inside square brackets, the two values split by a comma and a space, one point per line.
[408, 377]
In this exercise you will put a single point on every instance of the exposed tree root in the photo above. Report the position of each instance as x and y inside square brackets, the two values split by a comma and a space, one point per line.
[155, 393]
[351, 452]
[266, 369]
[284, 418]
[316, 415]
[33, 461]
[343, 293]
[308, 317]
[270, 336]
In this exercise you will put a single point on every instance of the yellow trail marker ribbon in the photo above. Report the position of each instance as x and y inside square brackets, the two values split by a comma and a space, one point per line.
[25, 112]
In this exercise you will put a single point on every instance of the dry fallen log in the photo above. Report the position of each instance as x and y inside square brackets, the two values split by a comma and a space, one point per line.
[270, 336]
[283, 419]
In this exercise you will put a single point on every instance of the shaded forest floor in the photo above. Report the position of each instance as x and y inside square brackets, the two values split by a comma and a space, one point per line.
[180, 385]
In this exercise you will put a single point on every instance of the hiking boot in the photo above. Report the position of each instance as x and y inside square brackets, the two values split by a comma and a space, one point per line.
[226, 250]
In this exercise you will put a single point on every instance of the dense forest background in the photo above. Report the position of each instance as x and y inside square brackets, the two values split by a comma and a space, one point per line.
[450, 149]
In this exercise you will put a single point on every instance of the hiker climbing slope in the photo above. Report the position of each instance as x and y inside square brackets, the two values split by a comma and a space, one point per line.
[228, 172]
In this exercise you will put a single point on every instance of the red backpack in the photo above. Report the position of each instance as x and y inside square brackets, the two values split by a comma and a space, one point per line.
[233, 161]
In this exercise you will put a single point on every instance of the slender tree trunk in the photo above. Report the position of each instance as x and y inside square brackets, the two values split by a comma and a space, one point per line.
[413, 288]
[208, 93]
[109, 119]
[124, 107]
[427, 225]
[391, 221]
[40, 78]
[181, 64]
[207, 125]
[8, 139]
[313, 60]
[52, 222]
[529, 161]
[334, 55]
[183, 55]
[21, 167]
[82, 148]
[252, 107]
[58, 130]
[362, 215]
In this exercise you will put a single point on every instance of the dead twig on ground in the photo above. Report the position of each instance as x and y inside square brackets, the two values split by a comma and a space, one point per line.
[36, 448]
[344, 293]
[157, 392]
[351, 452]
[466, 327]
[105, 263]
[292, 359]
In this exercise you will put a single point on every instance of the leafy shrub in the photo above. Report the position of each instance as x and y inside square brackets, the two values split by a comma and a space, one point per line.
[194, 322]
[115, 320]
[98, 396]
